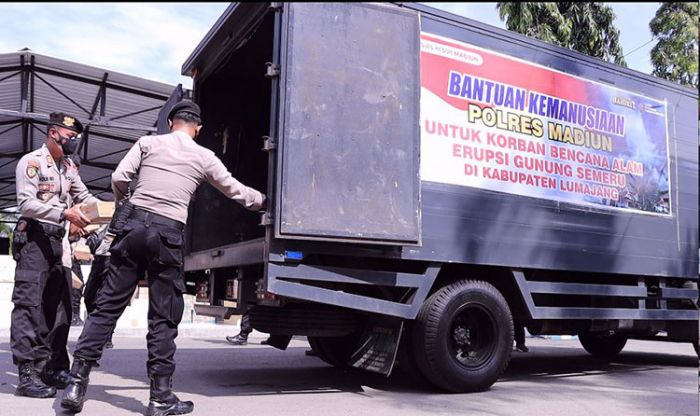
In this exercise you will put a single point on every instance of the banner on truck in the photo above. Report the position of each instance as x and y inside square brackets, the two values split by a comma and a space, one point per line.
[495, 122]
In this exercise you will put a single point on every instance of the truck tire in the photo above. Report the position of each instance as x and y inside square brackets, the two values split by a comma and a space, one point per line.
[463, 336]
[406, 366]
[317, 349]
[335, 351]
[605, 346]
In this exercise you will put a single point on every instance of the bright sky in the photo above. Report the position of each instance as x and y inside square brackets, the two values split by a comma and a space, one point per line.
[152, 40]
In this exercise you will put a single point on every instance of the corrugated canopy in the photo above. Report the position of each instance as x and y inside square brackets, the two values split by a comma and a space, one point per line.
[116, 108]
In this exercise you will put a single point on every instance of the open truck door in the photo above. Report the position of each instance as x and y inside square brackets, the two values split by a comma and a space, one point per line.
[350, 106]
[176, 96]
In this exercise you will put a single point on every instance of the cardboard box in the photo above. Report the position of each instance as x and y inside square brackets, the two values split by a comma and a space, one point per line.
[100, 212]
[92, 228]
[75, 281]
[82, 252]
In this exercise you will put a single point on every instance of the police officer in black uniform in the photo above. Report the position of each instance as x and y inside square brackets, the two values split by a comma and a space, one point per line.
[149, 231]
[47, 186]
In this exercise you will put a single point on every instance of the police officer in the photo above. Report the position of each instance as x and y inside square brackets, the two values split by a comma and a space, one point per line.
[170, 168]
[47, 185]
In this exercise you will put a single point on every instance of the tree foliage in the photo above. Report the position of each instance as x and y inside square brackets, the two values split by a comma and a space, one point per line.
[675, 56]
[587, 27]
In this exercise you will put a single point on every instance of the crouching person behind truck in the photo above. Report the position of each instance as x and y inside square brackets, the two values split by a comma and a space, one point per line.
[149, 236]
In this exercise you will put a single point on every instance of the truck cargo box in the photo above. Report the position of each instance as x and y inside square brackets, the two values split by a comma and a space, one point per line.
[435, 183]
[368, 99]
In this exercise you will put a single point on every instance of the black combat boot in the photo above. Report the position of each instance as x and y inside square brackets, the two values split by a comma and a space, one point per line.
[30, 383]
[109, 344]
[74, 394]
[56, 378]
[163, 401]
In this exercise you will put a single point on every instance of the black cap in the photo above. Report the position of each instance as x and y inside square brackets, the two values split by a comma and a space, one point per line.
[66, 121]
[185, 106]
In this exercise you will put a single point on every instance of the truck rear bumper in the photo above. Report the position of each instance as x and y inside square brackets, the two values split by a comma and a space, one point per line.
[239, 254]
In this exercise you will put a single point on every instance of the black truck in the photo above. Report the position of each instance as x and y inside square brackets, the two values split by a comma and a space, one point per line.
[433, 182]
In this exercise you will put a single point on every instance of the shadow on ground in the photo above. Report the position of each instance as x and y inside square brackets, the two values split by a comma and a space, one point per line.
[256, 370]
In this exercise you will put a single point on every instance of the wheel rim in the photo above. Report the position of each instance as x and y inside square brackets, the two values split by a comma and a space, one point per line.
[472, 336]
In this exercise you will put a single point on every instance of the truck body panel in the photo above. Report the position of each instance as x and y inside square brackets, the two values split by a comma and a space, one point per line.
[457, 223]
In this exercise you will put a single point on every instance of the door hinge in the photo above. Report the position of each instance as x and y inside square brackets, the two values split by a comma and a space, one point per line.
[269, 143]
[266, 218]
[275, 6]
[273, 70]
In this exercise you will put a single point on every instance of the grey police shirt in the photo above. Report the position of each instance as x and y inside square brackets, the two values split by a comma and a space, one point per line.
[170, 168]
[45, 187]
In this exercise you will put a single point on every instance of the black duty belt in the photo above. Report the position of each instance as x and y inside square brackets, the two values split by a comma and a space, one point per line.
[152, 218]
[52, 230]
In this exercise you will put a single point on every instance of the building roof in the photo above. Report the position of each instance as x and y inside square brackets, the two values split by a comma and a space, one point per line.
[116, 108]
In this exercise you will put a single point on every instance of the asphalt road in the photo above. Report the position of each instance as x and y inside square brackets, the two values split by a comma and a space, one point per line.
[554, 378]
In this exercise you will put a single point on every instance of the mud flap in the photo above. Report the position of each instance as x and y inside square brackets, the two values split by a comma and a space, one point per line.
[378, 346]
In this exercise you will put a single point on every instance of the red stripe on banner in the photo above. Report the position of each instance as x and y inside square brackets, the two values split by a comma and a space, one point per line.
[435, 71]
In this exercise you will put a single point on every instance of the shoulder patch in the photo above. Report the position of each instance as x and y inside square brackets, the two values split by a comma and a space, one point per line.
[32, 168]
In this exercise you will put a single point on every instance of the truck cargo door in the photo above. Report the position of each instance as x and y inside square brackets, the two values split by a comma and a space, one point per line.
[349, 125]
[175, 97]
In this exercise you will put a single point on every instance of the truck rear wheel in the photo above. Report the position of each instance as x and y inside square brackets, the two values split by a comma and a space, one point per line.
[463, 336]
[604, 345]
[316, 348]
[406, 364]
[335, 351]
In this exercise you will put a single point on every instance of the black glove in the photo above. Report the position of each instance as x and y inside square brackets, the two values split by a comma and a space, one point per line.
[121, 214]
[93, 241]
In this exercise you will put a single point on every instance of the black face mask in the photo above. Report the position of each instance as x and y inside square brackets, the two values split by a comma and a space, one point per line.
[69, 145]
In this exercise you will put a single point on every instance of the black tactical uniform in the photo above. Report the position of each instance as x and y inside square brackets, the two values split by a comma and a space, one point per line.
[148, 238]
[41, 315]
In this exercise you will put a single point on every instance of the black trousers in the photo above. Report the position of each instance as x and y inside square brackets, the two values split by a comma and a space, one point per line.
[519, 334]
[76, 294]
[98, 273]
[41, 316]
[246, 326]
[143, 246]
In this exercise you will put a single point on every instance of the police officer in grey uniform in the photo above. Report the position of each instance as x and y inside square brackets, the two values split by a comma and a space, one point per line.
[47, 186]
[170, 168]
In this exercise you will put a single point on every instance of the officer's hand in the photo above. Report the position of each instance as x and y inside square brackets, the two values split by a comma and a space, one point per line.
[76, 216]
[75, 230]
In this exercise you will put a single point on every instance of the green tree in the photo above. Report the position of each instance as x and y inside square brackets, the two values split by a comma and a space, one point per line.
[675, 56]
[587, 27]
[538, 20]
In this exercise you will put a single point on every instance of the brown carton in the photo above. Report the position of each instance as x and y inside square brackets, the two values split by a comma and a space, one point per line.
[91, 228]
[100, 212]
[82, 252]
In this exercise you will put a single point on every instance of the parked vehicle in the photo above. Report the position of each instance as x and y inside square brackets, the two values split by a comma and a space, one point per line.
[433, 181]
